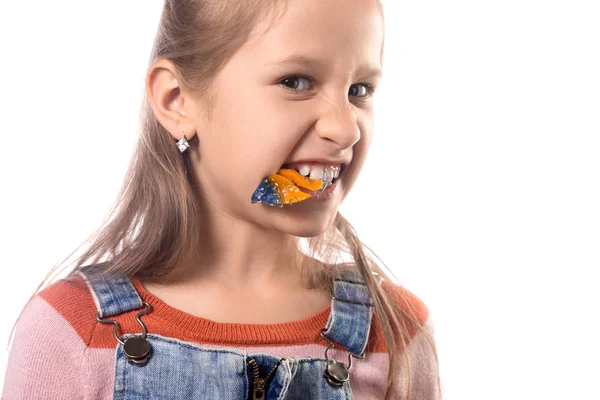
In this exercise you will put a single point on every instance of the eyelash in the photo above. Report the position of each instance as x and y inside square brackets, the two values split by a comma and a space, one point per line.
[370, 89]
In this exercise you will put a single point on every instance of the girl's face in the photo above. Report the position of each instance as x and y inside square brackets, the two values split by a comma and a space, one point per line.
[260, 123]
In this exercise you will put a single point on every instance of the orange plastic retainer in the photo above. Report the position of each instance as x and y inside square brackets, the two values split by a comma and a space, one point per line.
[283, 188]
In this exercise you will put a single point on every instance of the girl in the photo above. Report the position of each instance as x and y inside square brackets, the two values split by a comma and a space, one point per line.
[257, 121]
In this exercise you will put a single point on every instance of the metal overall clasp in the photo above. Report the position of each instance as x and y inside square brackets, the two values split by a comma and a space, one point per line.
[336, 372]
[136, 348]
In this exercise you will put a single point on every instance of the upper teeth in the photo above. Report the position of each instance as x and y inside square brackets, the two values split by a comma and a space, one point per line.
[319, 172]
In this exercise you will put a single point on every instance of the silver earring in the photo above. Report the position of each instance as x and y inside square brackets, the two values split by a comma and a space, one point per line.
[183, 144]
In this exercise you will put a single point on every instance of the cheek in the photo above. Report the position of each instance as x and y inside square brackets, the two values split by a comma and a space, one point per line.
[359, 155]
[268, 133]
[240, 128]
[367, 126]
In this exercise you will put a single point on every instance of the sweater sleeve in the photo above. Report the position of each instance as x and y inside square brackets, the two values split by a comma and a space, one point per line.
[45, 356]
[426, 381]
[424, 365]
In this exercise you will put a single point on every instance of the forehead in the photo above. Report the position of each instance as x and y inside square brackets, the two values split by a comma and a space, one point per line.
[339, 34]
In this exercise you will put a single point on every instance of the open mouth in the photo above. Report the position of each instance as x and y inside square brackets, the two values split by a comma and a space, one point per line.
[288, 186]
[306, 189]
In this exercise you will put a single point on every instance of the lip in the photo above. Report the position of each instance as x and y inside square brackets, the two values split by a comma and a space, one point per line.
[321, 161]
[326, 195]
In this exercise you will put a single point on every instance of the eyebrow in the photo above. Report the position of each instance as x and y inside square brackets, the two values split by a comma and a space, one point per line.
[313, 62]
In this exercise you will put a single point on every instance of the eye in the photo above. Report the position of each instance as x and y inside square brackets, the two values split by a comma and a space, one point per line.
[292, 81]
[368, 89]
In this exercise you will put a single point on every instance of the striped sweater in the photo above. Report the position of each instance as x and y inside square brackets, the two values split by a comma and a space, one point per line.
[60, 351]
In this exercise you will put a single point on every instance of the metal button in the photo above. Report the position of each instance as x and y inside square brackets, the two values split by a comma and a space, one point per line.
[136, 347]
[336, 373]
[141, 362]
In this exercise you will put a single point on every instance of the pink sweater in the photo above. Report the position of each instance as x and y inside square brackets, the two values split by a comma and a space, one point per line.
[60, 351]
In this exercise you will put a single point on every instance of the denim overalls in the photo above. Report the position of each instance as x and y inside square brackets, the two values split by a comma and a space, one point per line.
[174, 369]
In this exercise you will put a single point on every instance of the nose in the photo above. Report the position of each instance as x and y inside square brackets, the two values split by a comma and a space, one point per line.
[340, 125]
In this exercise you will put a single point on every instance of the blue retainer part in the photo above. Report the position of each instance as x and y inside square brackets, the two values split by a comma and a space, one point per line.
[266, 193]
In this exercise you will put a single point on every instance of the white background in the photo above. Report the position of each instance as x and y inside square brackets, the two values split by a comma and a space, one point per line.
[481, 190]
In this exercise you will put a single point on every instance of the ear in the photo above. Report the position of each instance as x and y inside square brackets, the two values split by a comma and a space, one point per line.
[168, 100]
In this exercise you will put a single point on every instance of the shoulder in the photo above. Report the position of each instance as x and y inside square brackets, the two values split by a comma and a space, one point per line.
[415, 316]
[50, 341]
[71, 301]
[409, 302]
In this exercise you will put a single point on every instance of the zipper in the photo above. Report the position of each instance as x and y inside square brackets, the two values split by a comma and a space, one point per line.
[259, 386]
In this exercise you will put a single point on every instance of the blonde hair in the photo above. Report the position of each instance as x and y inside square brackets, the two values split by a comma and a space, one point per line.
[155, 217]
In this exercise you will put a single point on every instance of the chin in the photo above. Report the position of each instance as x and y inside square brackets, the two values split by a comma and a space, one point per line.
[309, 227]
[308, 233]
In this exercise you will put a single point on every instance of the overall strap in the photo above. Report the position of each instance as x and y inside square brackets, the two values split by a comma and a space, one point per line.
[351, 312]
[113, 294]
